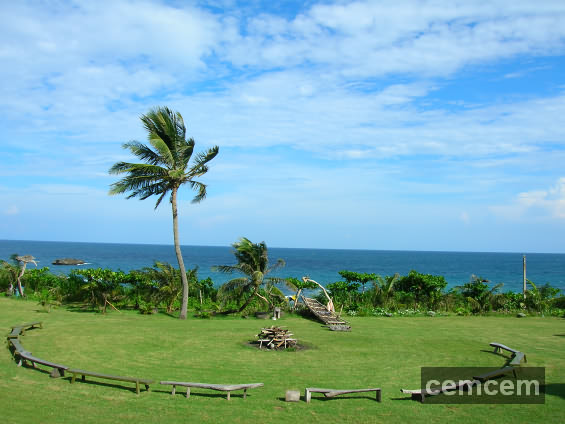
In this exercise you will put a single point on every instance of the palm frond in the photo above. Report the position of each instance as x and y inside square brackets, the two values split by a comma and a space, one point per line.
[143, 152]
[279, 264]
[199, 168]
[201, 195]
[226, 269]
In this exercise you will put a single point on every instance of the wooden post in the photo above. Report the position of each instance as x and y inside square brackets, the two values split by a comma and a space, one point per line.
[524, 274]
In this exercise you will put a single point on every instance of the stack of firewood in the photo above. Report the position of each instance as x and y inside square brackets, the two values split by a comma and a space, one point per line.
[276, 338]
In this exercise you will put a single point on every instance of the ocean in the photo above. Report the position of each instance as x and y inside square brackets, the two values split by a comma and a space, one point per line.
[321, 265]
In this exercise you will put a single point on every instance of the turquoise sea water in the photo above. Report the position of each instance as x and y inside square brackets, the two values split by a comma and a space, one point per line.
[321, 265]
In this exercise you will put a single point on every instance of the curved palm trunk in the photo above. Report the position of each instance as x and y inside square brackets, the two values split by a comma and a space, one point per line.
[19, 280]
[184, 280]
[248, 301]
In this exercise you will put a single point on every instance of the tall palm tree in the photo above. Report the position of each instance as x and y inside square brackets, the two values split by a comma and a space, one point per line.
[167, 167]
[253, 264]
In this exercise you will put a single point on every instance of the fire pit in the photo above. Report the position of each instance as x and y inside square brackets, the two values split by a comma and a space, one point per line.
[276, 338]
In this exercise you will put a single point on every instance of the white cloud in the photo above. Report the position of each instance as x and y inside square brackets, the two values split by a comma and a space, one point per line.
[537, 203]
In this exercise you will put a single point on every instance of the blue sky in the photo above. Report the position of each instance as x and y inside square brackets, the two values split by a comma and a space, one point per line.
[410, 125]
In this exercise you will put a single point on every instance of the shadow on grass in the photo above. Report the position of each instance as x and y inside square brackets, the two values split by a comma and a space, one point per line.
[254, 344]
[106, 384]
[223, 395]
[338, 398]
[555, 389]
[81, 309]
[559, 335]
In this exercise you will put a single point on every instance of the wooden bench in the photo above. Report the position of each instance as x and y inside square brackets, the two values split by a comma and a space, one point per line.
[135, 380]
[421, 394]
[17, 347]
[15, 333]
[518, 356]
[499, 346]
[28, 326]
[58, 369]
[495, 373]
[329, 393]
[220, 387]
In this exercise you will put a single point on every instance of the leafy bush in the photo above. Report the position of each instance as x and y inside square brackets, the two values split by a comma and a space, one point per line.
[425, 287]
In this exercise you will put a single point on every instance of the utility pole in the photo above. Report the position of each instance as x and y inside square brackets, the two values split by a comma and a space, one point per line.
[524, 273]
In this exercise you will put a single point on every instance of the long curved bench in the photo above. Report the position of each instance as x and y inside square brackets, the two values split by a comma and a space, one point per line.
[517, 358]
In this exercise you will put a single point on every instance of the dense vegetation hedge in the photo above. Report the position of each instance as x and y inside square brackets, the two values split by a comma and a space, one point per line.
[159, 288]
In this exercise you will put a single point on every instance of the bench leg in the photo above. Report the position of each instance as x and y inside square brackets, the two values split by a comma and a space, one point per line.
[307, 396]
[83, 377]
[378, 395]
[244, 393]
[56, 373]
[137, 387]
[147, 387]
[174, 390]
[73, 379]
[187, 392]
[229, 395]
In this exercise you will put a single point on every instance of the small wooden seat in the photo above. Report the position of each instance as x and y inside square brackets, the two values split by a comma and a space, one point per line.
[518, 356]
[220, 387]
[15, 333]
[135, 380]
[28, 326]
[421, 394]
[329, 393]
[499, 346]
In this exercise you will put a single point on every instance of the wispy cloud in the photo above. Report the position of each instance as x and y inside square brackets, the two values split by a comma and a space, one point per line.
[548, 203]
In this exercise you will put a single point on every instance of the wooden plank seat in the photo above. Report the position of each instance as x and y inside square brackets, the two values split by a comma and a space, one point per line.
[421, 393]
[135, 380]
[329, 393]
[518, 357]
[499, 346]
[495, 373]
[219, 387]
[28, 326]
[15, 333]
[58, 369]
[17, 347]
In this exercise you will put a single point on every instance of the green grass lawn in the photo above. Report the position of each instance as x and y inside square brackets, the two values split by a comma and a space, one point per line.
[378, 352]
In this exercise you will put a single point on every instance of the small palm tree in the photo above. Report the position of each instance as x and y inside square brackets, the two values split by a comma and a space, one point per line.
[384, 288]
[253, 263]
[166, 168]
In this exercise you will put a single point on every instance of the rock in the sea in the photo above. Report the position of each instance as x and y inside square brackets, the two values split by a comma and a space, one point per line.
[68, 261]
